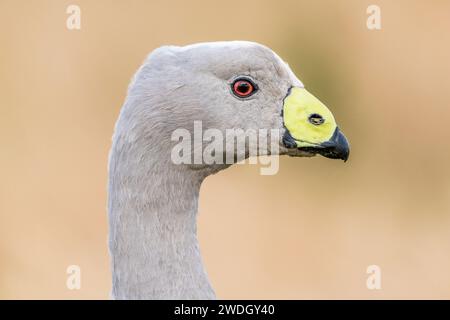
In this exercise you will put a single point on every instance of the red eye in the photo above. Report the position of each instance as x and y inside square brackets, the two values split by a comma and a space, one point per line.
[243, 88]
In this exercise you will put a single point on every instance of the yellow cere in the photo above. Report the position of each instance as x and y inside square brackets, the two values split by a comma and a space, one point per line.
[299, 105]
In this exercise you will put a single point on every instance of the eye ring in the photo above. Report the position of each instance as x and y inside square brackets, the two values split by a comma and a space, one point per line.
[243, 87]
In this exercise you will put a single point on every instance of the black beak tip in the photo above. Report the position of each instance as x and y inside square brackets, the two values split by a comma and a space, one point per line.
[345, 157]
[335, 148]
[338, 146]
[343, 146]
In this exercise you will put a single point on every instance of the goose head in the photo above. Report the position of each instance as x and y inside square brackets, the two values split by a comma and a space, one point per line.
[223, 86]
[224, 89]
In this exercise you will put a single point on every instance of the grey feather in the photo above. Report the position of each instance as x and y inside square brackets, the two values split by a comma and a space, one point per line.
[153, 203]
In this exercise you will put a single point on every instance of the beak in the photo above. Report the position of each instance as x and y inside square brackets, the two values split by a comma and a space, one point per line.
[335, 148]
[311, 127]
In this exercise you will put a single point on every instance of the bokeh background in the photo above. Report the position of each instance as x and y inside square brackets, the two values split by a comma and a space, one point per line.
[309, 231]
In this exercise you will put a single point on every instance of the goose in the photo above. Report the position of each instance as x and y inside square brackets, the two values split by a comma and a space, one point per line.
[152, 201]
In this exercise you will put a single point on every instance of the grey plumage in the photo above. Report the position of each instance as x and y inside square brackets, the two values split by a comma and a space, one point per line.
[152, 202]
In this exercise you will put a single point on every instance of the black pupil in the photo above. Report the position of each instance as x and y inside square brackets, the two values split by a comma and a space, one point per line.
[243, 87]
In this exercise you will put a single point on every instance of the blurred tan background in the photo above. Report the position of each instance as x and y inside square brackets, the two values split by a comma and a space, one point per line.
[308, 232]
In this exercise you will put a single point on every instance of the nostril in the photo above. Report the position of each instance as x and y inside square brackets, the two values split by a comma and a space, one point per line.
[316, 119]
